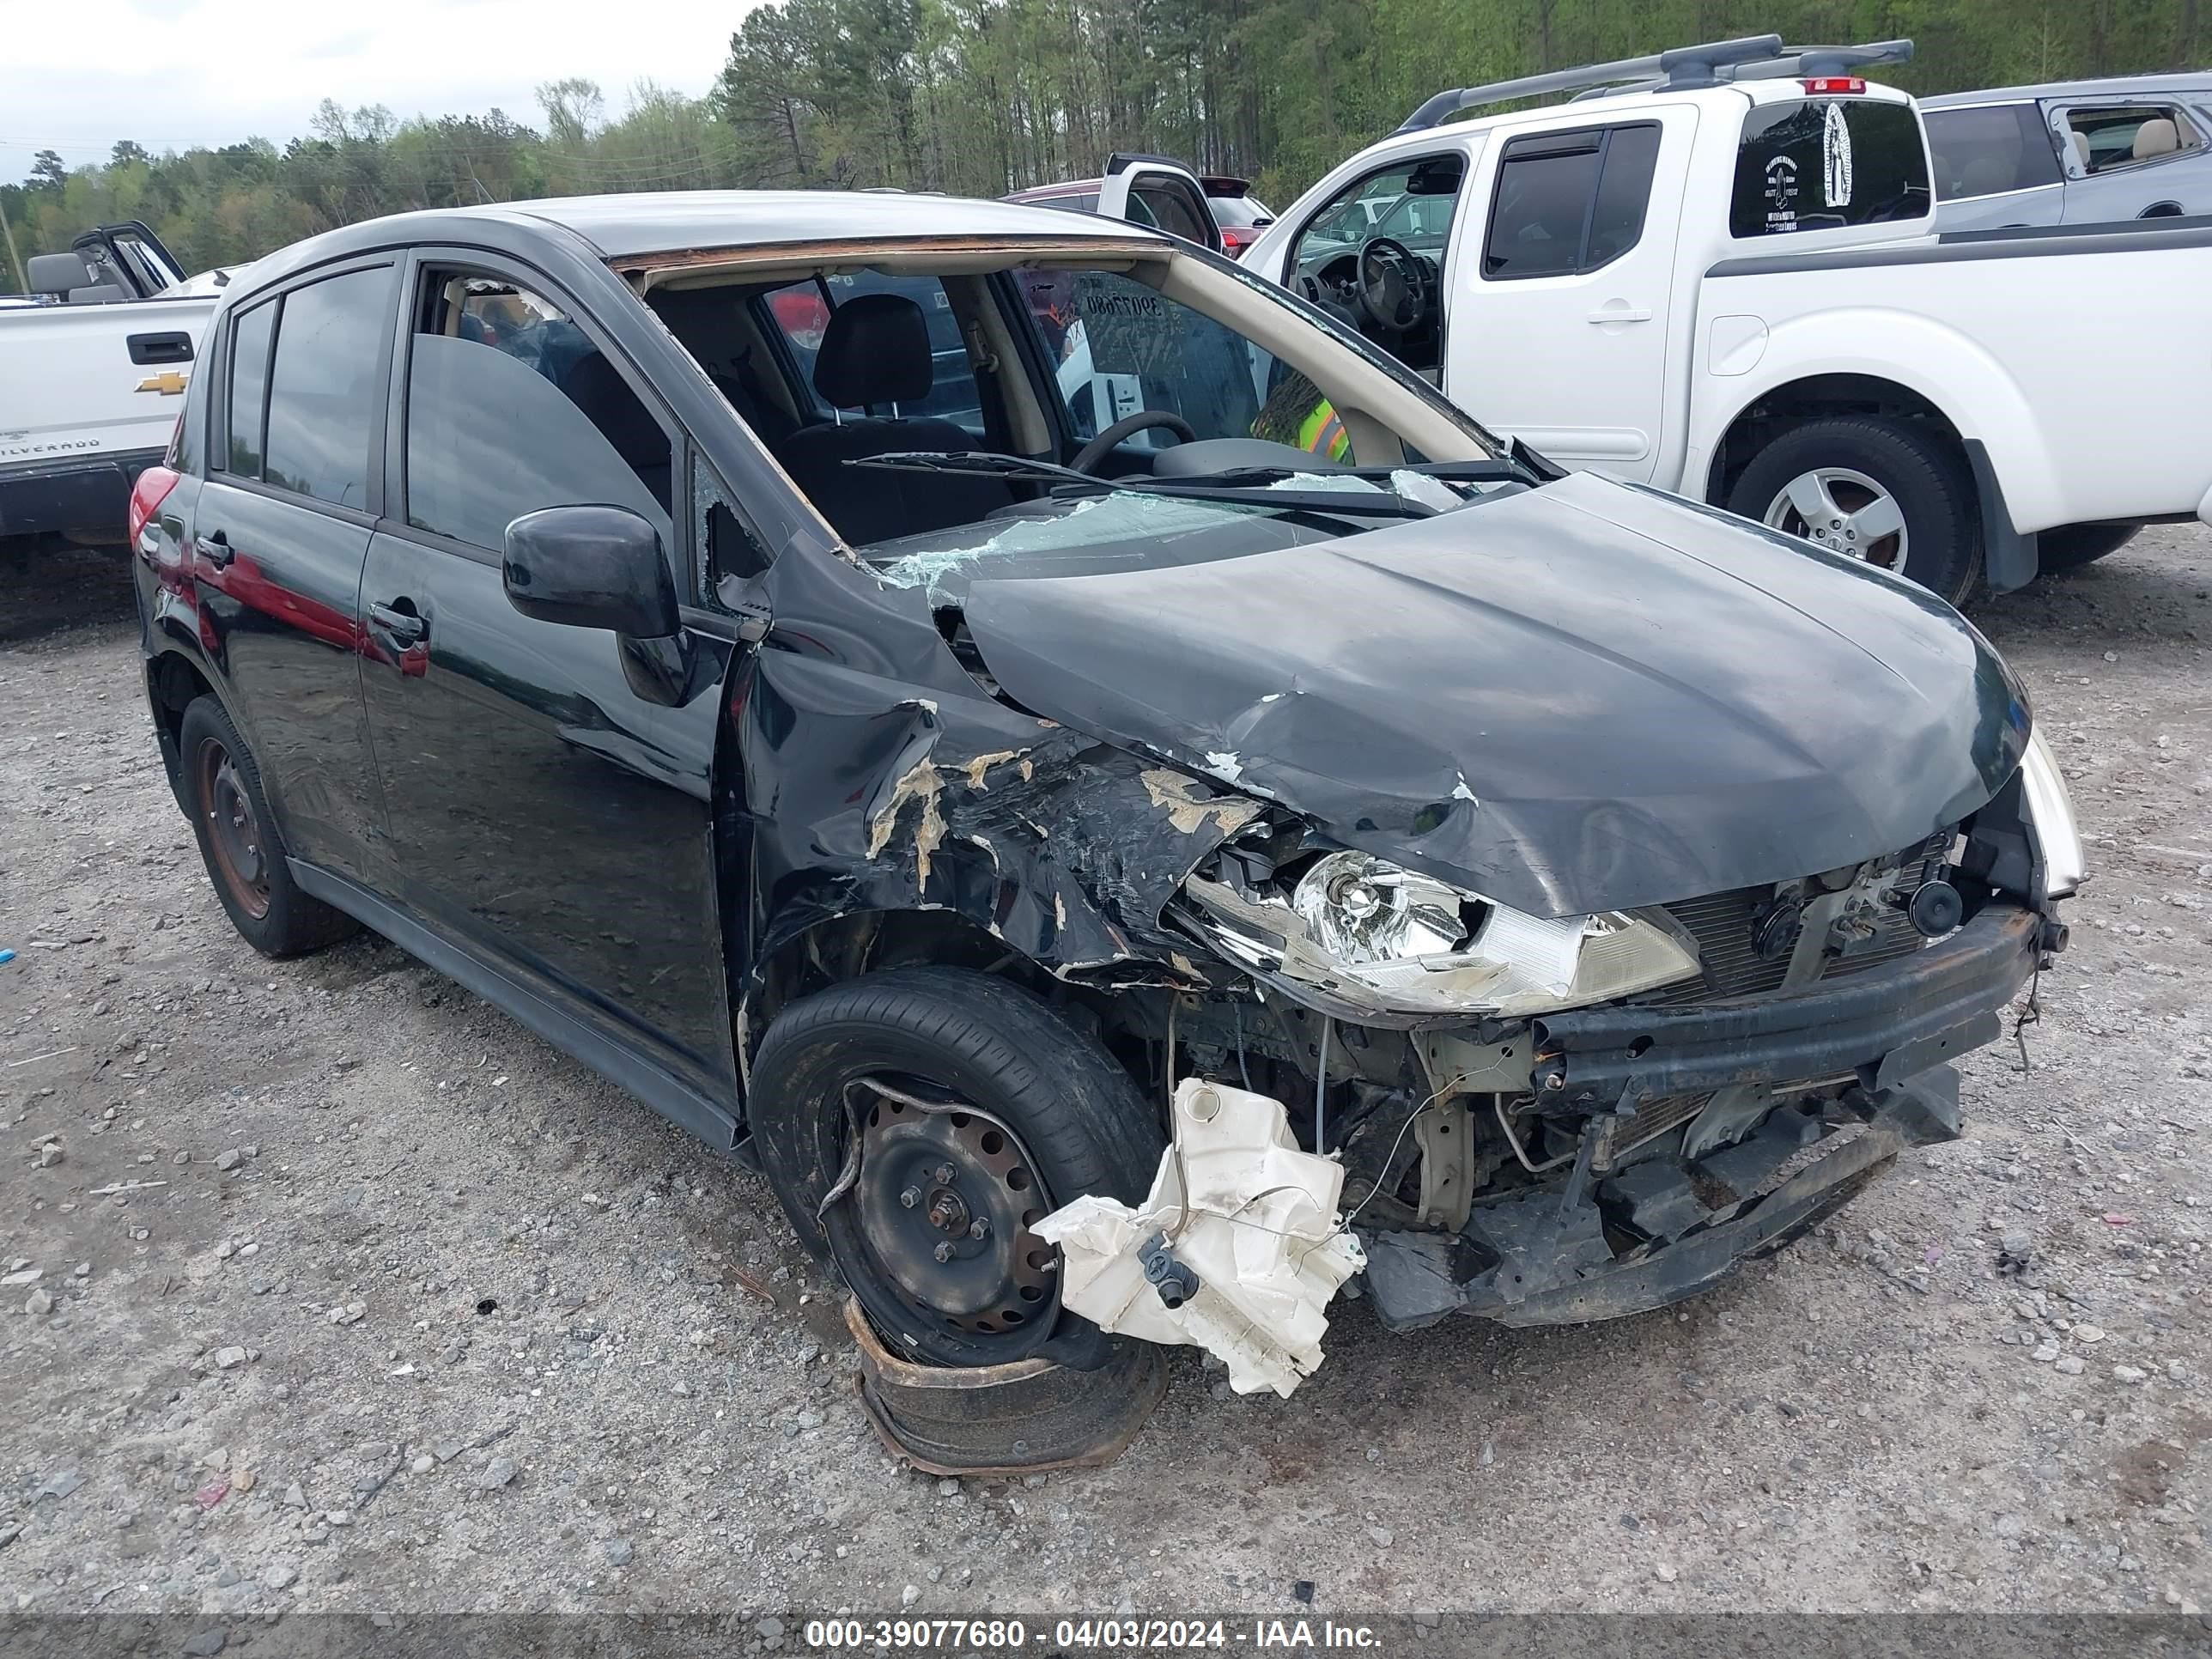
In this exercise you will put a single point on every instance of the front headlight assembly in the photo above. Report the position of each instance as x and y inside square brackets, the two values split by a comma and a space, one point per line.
[2050, 810]
[1361, 931]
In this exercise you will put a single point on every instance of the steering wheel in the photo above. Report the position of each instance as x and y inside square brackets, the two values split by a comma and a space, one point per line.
[1087, 457]
[1387, 281]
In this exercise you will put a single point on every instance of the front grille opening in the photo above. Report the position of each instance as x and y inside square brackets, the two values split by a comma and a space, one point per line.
[1723, 925]
[1726, 928]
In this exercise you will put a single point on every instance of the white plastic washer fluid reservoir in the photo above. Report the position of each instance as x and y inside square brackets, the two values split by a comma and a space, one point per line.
[1240, 1210]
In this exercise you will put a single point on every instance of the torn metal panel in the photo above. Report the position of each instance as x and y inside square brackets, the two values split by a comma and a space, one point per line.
[1236, 1249]
[889, 793]
[1480, 696]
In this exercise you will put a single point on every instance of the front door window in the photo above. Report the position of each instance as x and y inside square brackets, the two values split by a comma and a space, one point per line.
[1411, 204]
[512, 407]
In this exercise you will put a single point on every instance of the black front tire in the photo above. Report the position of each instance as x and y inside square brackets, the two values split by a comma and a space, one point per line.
[219, 785]
[2070, 546]
[1924, 475]
[1079, 1116]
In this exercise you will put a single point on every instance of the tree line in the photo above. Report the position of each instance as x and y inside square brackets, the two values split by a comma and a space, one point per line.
[980, 97]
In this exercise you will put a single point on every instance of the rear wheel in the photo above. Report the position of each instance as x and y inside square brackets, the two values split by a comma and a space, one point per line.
[920, 1121]
[221, 792]
[1887, 492]
[2070, 546]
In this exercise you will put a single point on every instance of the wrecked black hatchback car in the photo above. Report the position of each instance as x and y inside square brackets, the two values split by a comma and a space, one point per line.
[1125, 804]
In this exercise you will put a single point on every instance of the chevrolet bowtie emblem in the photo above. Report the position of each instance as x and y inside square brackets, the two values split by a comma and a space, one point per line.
[169, 383]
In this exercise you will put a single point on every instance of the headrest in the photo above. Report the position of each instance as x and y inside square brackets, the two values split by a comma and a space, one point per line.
[2080, 147]
[2156, 136]
[875, 350]
[57, 273]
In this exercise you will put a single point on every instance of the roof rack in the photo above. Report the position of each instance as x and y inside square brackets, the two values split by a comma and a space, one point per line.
[1822, 60]
[1757, 57]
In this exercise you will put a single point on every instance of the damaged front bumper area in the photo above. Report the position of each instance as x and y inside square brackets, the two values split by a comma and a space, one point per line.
[1859, 1065]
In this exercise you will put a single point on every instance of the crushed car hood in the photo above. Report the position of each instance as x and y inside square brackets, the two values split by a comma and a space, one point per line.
[1585, 697]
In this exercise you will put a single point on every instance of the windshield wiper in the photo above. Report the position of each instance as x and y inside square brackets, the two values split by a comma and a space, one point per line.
[977, 460]
[1245, 486]
[1330, 503]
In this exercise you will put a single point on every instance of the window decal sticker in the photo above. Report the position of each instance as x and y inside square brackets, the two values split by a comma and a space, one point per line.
[1782, 193]
[1836, 157]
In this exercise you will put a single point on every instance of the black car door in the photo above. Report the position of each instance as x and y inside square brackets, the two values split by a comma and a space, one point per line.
[279, 532]
[546, 817]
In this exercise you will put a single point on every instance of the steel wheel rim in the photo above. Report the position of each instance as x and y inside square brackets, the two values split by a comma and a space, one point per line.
[1846, 511]
[235, 835]
[955, 1252]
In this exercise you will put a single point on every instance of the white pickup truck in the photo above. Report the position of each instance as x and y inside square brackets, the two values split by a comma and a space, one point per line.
[93, 370]
[1713, 271]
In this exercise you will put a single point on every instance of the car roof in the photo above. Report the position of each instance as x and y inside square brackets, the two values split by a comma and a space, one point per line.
[640, 225]
[1215, 183]
[2124, 86]
[622, 227]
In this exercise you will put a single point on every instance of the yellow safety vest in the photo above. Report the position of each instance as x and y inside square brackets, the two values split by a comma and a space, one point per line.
[1321, 434]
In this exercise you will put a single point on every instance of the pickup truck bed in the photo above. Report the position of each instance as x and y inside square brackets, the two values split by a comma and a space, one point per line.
[2100, 411]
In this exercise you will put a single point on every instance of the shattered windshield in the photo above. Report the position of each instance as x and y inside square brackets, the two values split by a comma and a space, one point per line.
[1135, 528]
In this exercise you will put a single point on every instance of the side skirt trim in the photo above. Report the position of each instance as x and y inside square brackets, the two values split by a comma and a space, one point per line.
[673, 1098]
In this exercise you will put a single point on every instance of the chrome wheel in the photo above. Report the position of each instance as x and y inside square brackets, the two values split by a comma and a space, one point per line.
[1845, 512]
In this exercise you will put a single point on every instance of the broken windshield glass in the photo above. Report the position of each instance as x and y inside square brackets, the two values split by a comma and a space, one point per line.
[1126, 530]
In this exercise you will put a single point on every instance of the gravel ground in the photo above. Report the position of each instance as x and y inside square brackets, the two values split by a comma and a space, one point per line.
[406, 1311]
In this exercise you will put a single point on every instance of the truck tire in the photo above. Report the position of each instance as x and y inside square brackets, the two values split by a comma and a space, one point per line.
[1031, 1112]
[2070, 546]
[219, 785]
[1889, 492]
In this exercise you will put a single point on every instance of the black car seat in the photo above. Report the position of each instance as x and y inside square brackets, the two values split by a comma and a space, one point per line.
[593, 385]
[875, 354]
[708, 322]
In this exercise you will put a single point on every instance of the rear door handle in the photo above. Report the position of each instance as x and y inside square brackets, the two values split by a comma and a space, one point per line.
[1619, 313]
[404, 626]
[216, 550]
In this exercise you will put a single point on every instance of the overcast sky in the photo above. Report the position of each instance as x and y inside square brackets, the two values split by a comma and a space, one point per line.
[176, 73]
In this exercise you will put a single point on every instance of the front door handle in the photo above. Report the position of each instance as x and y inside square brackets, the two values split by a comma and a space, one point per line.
[1617, 312]
[216, 550]
[403, 626]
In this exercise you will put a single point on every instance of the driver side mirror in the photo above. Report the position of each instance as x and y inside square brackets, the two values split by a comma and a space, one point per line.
[591, 567]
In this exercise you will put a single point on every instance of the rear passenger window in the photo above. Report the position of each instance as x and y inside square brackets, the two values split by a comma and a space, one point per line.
[1166, 207]
[248, 402]
[1569, 202]
[1624, 190]
[326, 395]
[1823, 164]
[2115, 138]
[1991, 150]
[512, 407]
